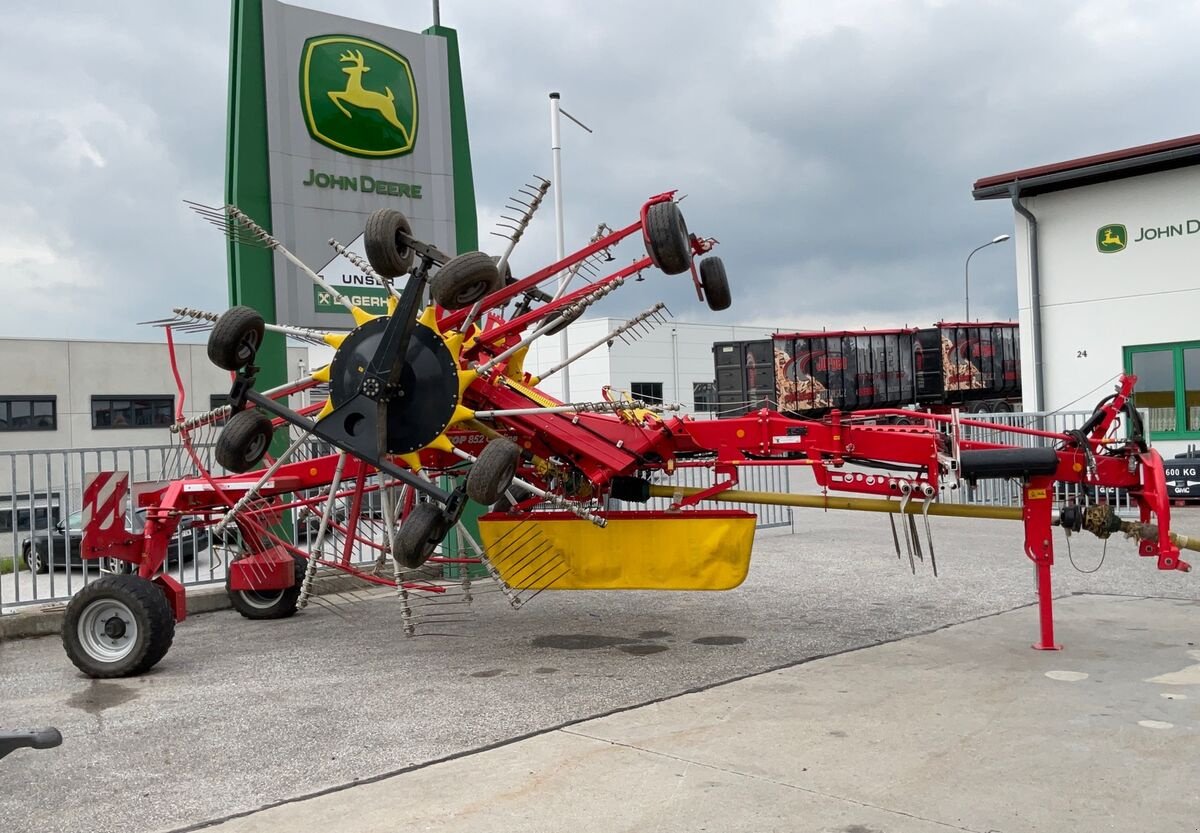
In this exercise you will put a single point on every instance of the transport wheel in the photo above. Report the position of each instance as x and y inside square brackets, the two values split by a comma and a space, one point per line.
[268, 604]
[493, 471]
[419, 535]
[244, 441]
[980, 407]
[667, 238]
[387, 255]
[33, 560]
[118, 626]
[999, 406]
[235, 338]
[562, 320]
[715, 283]
[464, 280]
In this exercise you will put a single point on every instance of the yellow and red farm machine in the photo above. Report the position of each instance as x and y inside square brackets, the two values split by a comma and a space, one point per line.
[432, 405]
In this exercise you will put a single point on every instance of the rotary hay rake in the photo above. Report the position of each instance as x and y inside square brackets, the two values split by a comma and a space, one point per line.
[431, 405]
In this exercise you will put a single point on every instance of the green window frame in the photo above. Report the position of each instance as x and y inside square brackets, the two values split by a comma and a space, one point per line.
[1177, 351]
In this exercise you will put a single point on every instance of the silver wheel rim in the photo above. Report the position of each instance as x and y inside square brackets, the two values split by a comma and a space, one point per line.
[101, 637]
[256, 449]
[259, 600]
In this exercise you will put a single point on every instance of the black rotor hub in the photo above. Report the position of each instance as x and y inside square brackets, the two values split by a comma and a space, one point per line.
[425, 395]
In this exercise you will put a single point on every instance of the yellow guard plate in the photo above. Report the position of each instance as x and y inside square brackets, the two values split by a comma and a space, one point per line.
[686, 550]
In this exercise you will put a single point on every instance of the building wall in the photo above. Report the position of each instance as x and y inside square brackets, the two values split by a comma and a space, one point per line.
[1094, 304]
[675, 354]
[75, 371]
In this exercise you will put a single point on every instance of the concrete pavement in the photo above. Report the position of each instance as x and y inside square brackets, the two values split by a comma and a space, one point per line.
[240, 714]
[962, 729]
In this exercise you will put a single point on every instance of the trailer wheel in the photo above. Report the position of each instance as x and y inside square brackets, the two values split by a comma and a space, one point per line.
[118, 626]
[1000, 406]
[715, 283]
[667, 240]
[268, 604]
[244, 441]
[419, 535]
[562, 320]
[235, 338]
[978, 407]
[493, 471]
[464, 280]
[387, 255]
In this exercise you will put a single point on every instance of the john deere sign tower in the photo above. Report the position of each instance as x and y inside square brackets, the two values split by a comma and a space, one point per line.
[329, 119]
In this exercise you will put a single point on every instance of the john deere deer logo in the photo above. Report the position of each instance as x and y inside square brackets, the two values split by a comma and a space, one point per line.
[359, 96]
[1112, 238]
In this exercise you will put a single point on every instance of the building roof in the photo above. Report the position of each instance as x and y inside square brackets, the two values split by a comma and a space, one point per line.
[1089, 170]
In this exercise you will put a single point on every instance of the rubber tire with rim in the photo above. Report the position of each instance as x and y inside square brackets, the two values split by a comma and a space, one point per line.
[236, 337]
[33, 560]
[715, 283]
[386, 254]
[1000, 406]
[271, 604]
[244, 441]
[419, 535]
[562, 320]
[493, 471]
[667, 240]
[151, 612]
[464, 280]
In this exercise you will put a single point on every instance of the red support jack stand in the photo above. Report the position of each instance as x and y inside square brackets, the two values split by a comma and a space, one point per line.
[1040, 549]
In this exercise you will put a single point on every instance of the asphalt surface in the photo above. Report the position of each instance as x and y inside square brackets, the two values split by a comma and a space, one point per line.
[242, 714]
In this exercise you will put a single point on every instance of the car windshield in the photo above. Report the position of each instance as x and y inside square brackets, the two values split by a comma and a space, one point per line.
[75, 521]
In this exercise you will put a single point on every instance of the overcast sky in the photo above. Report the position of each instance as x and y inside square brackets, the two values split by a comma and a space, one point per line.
[829, 146]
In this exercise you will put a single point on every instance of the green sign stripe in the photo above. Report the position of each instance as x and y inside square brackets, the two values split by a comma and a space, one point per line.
[466, 221]
[248, 186]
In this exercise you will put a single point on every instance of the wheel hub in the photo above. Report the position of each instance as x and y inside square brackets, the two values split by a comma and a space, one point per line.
[114, 628]
[428, 383]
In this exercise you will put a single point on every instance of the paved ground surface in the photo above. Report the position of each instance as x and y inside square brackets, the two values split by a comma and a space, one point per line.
[241, 715]
[961, 729]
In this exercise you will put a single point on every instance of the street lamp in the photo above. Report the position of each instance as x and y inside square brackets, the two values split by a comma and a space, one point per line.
[1000, 238]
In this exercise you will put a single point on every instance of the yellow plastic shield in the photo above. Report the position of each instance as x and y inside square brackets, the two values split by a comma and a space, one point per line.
[686, 550]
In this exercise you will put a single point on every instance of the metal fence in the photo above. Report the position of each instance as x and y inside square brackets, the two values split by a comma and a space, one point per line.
[753, 478]
[41, 503]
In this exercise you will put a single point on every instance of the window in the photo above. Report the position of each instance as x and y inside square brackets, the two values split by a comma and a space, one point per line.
[133, 411]
[28, 413]
[648, 392]
[1168, 387]
[704, 397]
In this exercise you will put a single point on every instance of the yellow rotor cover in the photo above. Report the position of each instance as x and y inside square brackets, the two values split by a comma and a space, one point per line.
[685, 550]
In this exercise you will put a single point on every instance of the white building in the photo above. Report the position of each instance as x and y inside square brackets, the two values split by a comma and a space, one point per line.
[63, 394]
[1107, 280]
[671, 362]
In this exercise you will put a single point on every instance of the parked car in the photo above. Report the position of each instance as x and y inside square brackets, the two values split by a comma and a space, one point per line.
[59, 547]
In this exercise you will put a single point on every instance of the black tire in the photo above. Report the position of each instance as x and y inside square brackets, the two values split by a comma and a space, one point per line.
[493, 471]
[118, 626]
[244, 441]
[667, 240]
[999, 406]
[464, 280]
[34, 561]
[387, 255]
[269, 604]
[715, 283]
[235, 338]
[562, 320]
[419, 535]
[978, 407]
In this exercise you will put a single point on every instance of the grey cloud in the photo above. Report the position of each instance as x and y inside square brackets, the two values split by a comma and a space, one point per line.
[829, 147]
